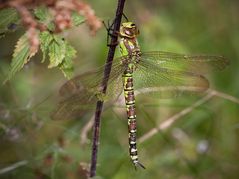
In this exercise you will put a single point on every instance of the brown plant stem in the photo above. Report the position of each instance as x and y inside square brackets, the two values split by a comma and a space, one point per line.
[99, 105]
[170, 121]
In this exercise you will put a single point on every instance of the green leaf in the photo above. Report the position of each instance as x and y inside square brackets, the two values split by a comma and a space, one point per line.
[67, 65]
[67, 68]
[45, 40]
[77, 18]
[21, 56]
[57, 51]
[8, 19]
[70, 51]
[42, 13]
[45, 17]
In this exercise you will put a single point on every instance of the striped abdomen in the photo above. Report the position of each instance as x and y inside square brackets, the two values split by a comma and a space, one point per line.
[130, 107]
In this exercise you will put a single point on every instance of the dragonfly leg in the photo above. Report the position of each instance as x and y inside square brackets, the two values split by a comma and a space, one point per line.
[110, 33]
[126, 18]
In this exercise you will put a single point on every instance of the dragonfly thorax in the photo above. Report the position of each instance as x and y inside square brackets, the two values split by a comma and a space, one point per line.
[128, 39]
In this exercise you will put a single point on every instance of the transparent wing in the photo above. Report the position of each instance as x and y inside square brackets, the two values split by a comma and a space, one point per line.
[91, 81]
[168, 74]
[198, 64]
[158, 73]
[80, 94]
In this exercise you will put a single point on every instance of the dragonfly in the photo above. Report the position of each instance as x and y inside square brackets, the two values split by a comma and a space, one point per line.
[155, 73]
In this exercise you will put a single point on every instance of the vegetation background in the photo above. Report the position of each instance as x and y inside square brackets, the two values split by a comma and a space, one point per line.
[201, 144]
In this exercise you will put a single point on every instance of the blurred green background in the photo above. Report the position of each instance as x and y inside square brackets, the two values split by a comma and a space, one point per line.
[201, 144]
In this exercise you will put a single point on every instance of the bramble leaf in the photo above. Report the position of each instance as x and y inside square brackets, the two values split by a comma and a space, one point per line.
[77, 18]
[67, 64]
[45, 17]
[45, 39]
[8, 20]
[57, 51]
[41, 13]
[60, 53]
[21, 56]
[67, 68]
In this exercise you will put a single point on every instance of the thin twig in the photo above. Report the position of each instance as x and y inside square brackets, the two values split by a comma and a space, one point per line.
[167, 123]
[84, 132]
[13, 166]
[99, 105]
[224, 96]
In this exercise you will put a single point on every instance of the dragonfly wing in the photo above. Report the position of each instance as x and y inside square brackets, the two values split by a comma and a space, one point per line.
[80, 94]
[90, 81]
[73, 106]
[166, 82]
[198, 64]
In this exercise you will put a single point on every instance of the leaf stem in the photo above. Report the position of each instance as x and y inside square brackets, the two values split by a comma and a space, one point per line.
[99, 105]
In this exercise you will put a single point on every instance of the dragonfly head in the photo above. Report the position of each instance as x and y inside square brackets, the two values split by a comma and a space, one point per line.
[129, 30]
